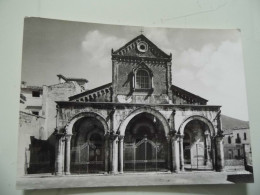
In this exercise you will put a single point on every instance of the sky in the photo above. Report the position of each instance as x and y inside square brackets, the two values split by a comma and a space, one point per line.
[208, 63]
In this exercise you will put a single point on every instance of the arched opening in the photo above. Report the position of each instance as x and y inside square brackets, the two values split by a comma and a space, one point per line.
[87, 146]
[197, 146]
[142, 79]
[145, 144]
[186, 148]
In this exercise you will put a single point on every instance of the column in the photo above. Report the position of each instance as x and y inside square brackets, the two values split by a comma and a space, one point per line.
[67, 150]
[121, 153]
[220, 153]
[168, 153]
[175, 154]
[58, 155]
[107, 149]
[207, 147]
[114, 140]
[181, 152]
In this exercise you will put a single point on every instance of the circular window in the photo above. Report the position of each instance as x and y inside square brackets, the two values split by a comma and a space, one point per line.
[142, 46]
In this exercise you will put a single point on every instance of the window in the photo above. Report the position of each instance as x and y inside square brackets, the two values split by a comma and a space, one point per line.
[244, 136]
[238, 139]
[142, 79]
[238, 153]
[35, 113]
[35, 93]
[229, 139]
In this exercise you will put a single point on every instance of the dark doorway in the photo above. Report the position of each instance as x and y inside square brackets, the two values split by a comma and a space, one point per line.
[197, 146]
[87, 146]
[145, 147]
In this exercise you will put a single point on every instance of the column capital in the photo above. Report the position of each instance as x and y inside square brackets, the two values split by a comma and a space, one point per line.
[172, 132]
[68, 136]
[219, 137]
[113, 136]
[175, 137]
[121, 137]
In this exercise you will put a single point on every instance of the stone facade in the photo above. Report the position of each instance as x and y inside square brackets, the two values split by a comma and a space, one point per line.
[139, 122]
[30, 127]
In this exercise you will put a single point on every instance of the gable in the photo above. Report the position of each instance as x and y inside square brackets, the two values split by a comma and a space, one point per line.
[141, 47]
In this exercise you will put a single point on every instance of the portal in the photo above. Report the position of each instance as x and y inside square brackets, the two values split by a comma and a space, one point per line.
[145, 146]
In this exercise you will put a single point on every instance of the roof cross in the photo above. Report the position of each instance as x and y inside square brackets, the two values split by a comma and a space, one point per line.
[142, 30]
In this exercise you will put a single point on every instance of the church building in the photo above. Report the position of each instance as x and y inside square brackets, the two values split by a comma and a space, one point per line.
[140, 122]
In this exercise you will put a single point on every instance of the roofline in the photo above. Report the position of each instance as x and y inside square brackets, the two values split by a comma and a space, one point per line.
[90, 91]
[37, 116]
[236, 128]
[141, 35]
[135, 104]
[189, 93]
[33, 87]
[71, 79]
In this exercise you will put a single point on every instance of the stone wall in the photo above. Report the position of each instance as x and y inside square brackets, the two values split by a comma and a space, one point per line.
[30, 126]
[58, 92]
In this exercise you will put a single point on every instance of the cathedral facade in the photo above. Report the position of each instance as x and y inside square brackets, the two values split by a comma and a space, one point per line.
[138, 123]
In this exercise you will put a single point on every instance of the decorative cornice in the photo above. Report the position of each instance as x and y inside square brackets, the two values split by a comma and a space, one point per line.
[91, 95]
[140, 59]
[63, 104]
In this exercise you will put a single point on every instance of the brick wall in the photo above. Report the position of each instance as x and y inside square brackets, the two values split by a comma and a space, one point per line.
[124, 83]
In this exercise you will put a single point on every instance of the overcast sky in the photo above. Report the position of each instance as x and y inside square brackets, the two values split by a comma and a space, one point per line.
[208, 63]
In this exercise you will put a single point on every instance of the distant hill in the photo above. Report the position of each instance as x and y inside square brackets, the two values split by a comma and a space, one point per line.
[232, 123]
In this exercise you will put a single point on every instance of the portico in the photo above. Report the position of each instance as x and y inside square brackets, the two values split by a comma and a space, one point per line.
[115, 138]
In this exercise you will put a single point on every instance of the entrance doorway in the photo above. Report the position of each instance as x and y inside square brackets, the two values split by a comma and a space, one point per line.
[87, 146]
[197, 146]
[145, 147]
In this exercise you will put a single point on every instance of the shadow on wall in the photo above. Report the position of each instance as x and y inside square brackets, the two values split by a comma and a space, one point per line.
[40, 157]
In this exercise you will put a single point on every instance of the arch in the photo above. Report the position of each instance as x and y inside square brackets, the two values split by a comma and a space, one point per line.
[148, 110]
[74, 119]
[200, 118]
[94, 132]
[143, 124]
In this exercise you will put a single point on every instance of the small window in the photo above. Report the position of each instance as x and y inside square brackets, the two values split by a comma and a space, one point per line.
[229, 139]
[244, 136]
[238, 153]
[238, 139]
[142, 80]
[35, 93]
[35, 113]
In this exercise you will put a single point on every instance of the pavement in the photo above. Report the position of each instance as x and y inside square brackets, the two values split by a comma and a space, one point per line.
[132, 179]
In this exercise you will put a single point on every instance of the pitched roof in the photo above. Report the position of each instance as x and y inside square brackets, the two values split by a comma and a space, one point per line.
[90, 91]
[160, 53]
[187, 93]
[229, 123]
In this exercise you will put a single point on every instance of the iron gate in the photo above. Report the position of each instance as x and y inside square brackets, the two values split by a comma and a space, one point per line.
[145, 155]
[87, 158]
[199, 159]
